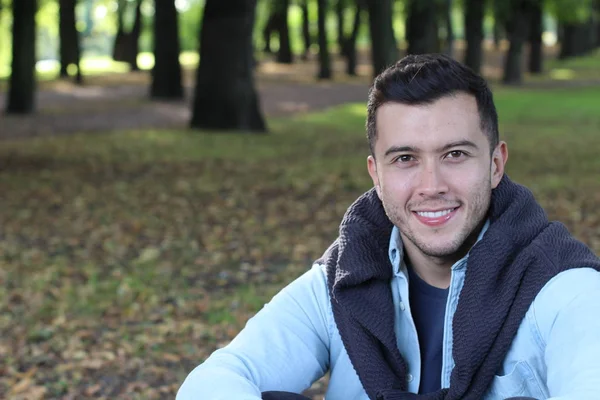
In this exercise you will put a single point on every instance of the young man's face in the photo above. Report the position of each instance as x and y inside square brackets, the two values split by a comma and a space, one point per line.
[434, 173]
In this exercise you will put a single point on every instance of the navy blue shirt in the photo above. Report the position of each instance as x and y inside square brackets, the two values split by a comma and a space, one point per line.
[428, 309]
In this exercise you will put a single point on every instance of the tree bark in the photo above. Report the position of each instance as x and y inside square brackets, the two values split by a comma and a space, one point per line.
[225, 97]
[22, 83]
[134, 38]
[268, 29]
[166, 74]
[571, 43]
[474, 10]
[119, 44]
[421, 31]
[306, 37]
[350, 42]
[340, 6]
[284, 55]
[499, 23]
[536, 54]
[383, 45]
[517, 29]
[449, 28]
[69, 40]
[324, 58]
[126, 47]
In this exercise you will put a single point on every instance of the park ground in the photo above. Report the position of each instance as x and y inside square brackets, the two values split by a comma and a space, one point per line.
[131, 247]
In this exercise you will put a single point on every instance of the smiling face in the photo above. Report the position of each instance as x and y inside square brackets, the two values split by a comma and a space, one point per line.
[434, 174]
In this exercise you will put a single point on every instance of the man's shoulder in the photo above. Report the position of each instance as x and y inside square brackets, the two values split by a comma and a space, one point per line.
[561, 293]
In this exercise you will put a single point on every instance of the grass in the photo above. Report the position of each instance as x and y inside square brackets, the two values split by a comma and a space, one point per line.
[126, 258]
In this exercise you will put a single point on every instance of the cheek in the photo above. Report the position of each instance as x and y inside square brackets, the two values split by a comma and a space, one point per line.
[397, 187]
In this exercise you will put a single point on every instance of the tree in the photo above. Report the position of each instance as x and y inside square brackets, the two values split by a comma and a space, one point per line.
[577, 21]
[284, 55]
[70, 52]
[278, 23]
[324, 58]
[349, 43]
[499, 21]
[536, 54]
[126, 47]
[383, 44]
[449, 28]
[22, 83]
[517, 30]
[166, 74]
[421, 27]
[225, 97]
[306, 36]
[340, 8]
[474, 10]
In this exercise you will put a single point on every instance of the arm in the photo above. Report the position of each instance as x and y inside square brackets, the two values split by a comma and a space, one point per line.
[285, 347]
[572, 336]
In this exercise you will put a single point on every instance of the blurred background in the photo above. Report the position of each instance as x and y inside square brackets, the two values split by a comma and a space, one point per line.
[167, 166]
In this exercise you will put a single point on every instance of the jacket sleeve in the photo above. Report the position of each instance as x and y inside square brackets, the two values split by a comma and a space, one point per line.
[572, 334]
[284, 347]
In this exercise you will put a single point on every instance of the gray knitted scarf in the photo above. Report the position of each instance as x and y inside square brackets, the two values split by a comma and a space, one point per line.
[520, 252]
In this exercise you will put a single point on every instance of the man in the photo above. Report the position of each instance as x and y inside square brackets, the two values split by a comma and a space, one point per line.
[446, 282]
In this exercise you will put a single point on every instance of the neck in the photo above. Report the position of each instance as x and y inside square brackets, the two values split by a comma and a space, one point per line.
[437, 270]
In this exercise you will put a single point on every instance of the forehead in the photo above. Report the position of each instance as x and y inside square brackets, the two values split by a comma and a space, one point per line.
[446, 120]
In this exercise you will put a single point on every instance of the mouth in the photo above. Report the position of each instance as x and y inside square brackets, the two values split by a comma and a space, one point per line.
[436, 218]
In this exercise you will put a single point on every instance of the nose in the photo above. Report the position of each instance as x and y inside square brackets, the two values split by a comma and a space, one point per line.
[432, 182]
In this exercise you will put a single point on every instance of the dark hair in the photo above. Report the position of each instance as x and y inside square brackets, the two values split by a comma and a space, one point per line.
[423, 79]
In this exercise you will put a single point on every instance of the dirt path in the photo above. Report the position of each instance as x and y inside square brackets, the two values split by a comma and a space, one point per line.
[120, 101]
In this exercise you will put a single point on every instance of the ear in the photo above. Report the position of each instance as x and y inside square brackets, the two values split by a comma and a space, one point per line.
[499, 158]
[372, 167]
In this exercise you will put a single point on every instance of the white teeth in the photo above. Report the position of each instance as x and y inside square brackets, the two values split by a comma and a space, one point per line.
[436, 214]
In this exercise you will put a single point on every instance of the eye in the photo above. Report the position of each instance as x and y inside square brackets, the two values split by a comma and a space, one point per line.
[456, 154]
[404, 158]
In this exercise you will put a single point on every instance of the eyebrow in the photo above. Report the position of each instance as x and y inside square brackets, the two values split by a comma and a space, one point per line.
[412, 149]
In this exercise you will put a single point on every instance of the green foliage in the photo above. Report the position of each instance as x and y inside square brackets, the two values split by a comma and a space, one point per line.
[570, 11]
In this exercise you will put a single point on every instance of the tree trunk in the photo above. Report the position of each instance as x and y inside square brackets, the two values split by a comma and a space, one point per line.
[449, 28]
[22, 83]
[517, 29]
[571, 41]
[340, 5]
[590, 33]
[120, 37]
[597, 9]
[383, 45]
[134, 38]
[474, 10]
[421, 30]
[166, 74]
[269, 28]
[350, 43]
[536, 54]
[69, 39]
[284, 55]
[225, 97]
[324, 58]
[306, 29]
[126, 47]
[498, 24]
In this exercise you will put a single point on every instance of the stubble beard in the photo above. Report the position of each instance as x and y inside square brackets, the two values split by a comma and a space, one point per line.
[463, 239]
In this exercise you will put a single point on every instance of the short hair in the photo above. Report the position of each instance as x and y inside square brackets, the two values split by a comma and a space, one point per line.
[423, 79]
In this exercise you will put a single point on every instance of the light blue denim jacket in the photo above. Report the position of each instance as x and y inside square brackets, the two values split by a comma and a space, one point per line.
[293, 341]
